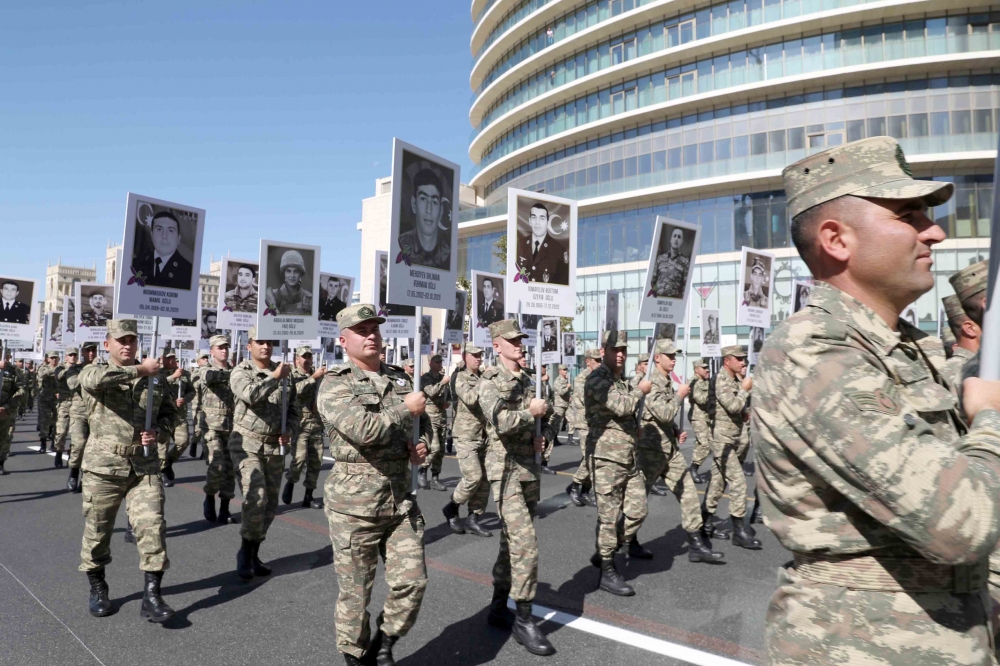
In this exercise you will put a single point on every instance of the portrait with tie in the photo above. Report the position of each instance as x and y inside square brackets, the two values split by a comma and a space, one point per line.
[543, 242]
[159, 248]
[15, 300]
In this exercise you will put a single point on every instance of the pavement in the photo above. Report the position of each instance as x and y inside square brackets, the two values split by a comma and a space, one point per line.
[683, 613]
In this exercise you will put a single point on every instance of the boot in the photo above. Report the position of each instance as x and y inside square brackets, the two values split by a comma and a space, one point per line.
[209, 509]
[3, 472]
[696, 475]
[422, 479]
[546, 469]
[756, 516]
[100, 604]
[435, 484]
[500, 615]
[74, 479]
[638, 551]
[154, 608]
[742, 536]
[658, 489]
[590, 498]
[384, 655]
[710, 529]
[699, 550]
[527, 633]
[59, 459]
[286, 494]
[42, 448]
[168, 475]
[129, 533]
[612, 582]
[244, 560]
[473, 527]
[194, 449]
[351, 660]
[258, 567]
[224, 516]
[309, 502]
[573, 490]
[450, 512]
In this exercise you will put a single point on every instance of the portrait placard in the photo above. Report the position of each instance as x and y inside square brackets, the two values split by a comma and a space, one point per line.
[711, 341]
[424, 228]
[612, 306]
[289, 282]
[400, 320]
[334, 295]
[184, 329]
[162, 244]
[426, 344]
[801, 287]
[569, 348]
[754, 289]
[454, 322]
[19, 309]
[549, 344]
[489, 292]
[542, 261]
[69, 319]
[756, 344]
[52, 333]
[239, 294]
[209, 325]
[671, 270]
[94, 307]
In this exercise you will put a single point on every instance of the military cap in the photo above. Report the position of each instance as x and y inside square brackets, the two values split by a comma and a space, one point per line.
[120, 328]
[252, 333]
[664, 347]
[292, 258]
[52, 354]
[563, 367]
[219, 340]
[169, 353]
[593, 354]
[874, 167]
[408, 363]
[302, 350]
[970, 281]
[88, 345]
[734, 350]
[508, 329]
[72, 351]
[700, 363]
[643, 358]
[757, 264]
[620, 339]
[355, 314]
[203, 354]
[471, 349]
[953, 308]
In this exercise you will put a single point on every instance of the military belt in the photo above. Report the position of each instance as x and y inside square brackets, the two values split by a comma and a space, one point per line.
[386, 468]
[256, 436]
[127, 449]
[891, 574]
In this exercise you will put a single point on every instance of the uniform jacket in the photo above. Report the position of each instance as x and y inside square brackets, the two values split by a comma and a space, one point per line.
[730, 401]
[562, 391]
[470, 424]
[175, 273]
[305, 396]
[283, 301]
[699, 400]
[660, 408]
[257, 407]
[437, 396]
[504, 398]
[12, 391]
[611, 407]
[45, 379]
[187, 392]
[549, 264]
[216, 397]
[577, 411]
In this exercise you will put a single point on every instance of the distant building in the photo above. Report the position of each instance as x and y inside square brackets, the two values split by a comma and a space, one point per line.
[59, 281]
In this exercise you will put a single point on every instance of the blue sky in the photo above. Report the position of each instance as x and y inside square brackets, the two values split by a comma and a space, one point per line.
[276, 117]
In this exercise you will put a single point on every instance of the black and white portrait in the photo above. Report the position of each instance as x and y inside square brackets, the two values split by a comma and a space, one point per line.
[69, 321]
[611, 309]
[665, 332]
[164, 245]
[490, 299]
[54, 332]
[425, 219]
[673, 262]
[800, 295]
[756, 281]
[209, 323]
[241, 287]
[96, 304]
[425, 331]
[550, 335]
[456, 315]
[335, 294]
[543, 241]
[756, 339]
[289, 280]
[710, 335]
[569, 345]
[16, 297]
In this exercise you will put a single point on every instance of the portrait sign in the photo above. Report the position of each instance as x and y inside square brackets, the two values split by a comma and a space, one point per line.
[52, 336]
[801, 286]
[69, 319]
[289, 282]
[18, 308]
[209, 326]
[426, 343]
[612, 307]
[424, 229]
[184, 329]
[549, 342]
[400, 320]
[711, 340]
[334, 295]
[569, 348]
[489, 292]
[671, 270]
[529, 326]
[94, 307]
[756, 344]
[162, 245]
[454, 322]
[238, 294]
[542, 261]
[185, 350]
[754, 289]
[665, 332]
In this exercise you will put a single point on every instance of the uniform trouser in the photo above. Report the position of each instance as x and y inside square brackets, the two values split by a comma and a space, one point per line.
[703, 445]
[260, 477]
[621, 492]
[357, 544]
[473, 488]
[516, 568]
[435, 454]
[46, 419]
[143, 495]
[308, 454]
[726, 469]
[79, 431]
[182, 439]
[62, 425]
[6, 435]
[583, 473]
[671, 466]
[743, 445]
[220, 477]
[200, 428]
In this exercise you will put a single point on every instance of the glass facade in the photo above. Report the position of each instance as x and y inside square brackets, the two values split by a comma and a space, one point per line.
[476, 253]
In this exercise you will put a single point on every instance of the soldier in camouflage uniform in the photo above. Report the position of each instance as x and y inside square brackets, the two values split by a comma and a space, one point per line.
[181, 390]
[670, 270]
[64, 402]
[47, 387]
[562, 391]
[22, 370]
[641, 365]
[580, 491]
[79, 411]
[12, 390]
[506, 398]
[308, 451]
[368, 409]
[659, 454]
[200, 427]
[620, 486]
[732, 387]
[217, 406]
[255, 444]
[965, 315]
[867, 471]
[121, 462]
[434, 384]
[701, 419]
[28, 403]
[469, 433]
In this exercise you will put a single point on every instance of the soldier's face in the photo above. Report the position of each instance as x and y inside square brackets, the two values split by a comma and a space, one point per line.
[220, 353]
[538, 219]
[614, 357]
[701, 372]
[305, 363]
[408, 369]
[435, 366]
[89, 354]
[676, 239]
[53, 361]
[666, 362]
[488, 290]
[169, 363]
[165, 236]
[292, 276]
[202, 362]
[244, 278]
[260, 350]
[70, 358]
[547, 330]
[97, 302]
[473, 362]
[363, 341]
[736, 364]
[210, 322]
[122, 350]
[426, 206]
[563, 373]
[640, 368]
[509, 349]
[756, 279]
[9, 291]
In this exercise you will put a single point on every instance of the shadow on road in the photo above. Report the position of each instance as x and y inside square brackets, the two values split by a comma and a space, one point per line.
[469, 642]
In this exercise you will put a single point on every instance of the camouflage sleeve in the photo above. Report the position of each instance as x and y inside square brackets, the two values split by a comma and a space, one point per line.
[166, 418]
[250, 390]
[19, 393]
[293, 418]
[563, 389]
[343, 413]
[616, 401]
[189, 391]
[466, 392]
[432, 389]
[699, 393]
[662, 406]
[506, 421]
[845, 425]
[214, 376]
[95, 378]
[733, 401]
[73, 381]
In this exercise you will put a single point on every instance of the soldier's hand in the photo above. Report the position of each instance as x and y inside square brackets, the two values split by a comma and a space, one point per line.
[3, 364]
[537, 407]
[284, 440]
[179, 402]
[747, 383]
[3, 411]
[149, 367]
[418, 453]
[979, 394]
[178, 373]
[282, 371]
[684, 390]
[681, 438]
[149, 438]
[416, 402]
[319, 374]
[645, 386]
[539, 444]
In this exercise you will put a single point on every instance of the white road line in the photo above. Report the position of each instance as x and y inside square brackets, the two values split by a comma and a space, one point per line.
[96, 658]
[666, 648]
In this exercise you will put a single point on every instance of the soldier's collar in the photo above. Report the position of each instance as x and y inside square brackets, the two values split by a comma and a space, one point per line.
[855, 314]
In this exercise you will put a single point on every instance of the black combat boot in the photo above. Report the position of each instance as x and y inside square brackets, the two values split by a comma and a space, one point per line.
[309, 503]
[194, 450]
[573, 490]
[450, 512]
[351, 660]
[384, 655]
[422, 478]
[698, 478]
[546, 469]
[435, 484]
[74, 479]
[757, 515]
[41, 449]
[612, 582]
[209, 509]
[244, 560]
[286, 494]
[699, 549]
[258, 567]
[154, 608]
[59, 462]
[129, 532]
[742, 536]
[168, 475]
[637, 550]
[527, 633]
[658, 489]
[224, 516]
[500, 615]
[3, 472]
[100, 604]
[473, 527]
[711, 529]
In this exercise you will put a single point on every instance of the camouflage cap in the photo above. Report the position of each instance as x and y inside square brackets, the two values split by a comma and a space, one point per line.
[563, 367]
[643, 358]
[302, 350]
[953, 308]
[471, 349]
[203, 354]
[874, 167]
[508, 329]
[252, 333]
[72, 351]
[620, 339]
[665, 347]
[970, 281]
[168, 353]
[52, 354]
[88, 345]
[594, 354]
[757, 264]
[734, 350]
[408, 363]
[700, 363]
[120, 328]
[355, 314]
[219, 340]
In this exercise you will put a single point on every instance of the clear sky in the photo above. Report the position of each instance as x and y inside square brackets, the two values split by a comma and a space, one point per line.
[274, 116]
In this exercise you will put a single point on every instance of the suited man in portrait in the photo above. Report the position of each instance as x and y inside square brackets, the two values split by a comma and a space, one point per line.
[13, 311]
[544, 258]
[164, 266]
[332, 302]
[490, 304]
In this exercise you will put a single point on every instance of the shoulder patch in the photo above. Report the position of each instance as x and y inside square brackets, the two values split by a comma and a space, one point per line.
[338, 370]
[883, 400]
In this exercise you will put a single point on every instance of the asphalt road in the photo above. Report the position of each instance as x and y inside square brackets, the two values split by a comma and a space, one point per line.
[683, 613]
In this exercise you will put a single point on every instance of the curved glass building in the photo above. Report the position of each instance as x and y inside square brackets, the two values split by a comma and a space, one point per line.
[688, 109]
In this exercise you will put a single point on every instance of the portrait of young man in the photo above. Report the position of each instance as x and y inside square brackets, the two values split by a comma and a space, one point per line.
[670, 271]
[163, 266]
[550, 343]
[209, 324]
[13, 309]
[426, 241]
[332, 300]
[490, 302]
[291, 296]
[242, 297]
[97, 309]
[543, 257]
[756, 288]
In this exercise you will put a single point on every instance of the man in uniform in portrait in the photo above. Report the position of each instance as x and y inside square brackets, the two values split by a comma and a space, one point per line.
[97, 314]
[490, 309]
[755, 296]
[331, 303]
[242, 297]
[712, 330]
[670, 271]
[13, 311]
[291, 298]
[426, 244]
[164, 266]
[541, 256]
[550, 342]
[456, 317]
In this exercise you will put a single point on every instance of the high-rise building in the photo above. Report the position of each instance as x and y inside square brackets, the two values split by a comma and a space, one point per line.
[59, 281]
[640, 108]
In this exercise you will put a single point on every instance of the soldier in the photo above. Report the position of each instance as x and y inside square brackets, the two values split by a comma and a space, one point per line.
[368, 409]
[965, 315]
[181, 390]
[469, 432]
[732, 387]
[116, 467]
[22, 370]
[308, 451]
[64, 402]
[562, 391]
[702, 417]
[291, 297]
[641, 365]
[427, 243]
[198, 413]
[866, 470]
[255, 442]
[489, 309]
[407, 367]
[12, 392]
[79, 411]
[96, 315]
[754, 295]
[618, 482]
[217, 406]
[671, 269]
[580, 490]
[434, 384]
[28, 402]
[507, 401]
[47, 387]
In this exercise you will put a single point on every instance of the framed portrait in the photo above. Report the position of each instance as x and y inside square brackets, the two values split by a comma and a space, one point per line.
[239, 294]
[711, 340]
[19, 311]
[424, 228]
[69, 319]
[289, 282]
[334, 295]
[209, 324]
[612, 310]
[529, 326]
[754, 290]
[670, 272]
[489, 292]
[184, 330]
[426, 343]
[665, 332]
[52, 333]
[162, 246]
[569, 348]
[454, 322]
[801, 287]
[756, 344]
[548, 344]
[400, 320]
[94, 307]
[542, 261]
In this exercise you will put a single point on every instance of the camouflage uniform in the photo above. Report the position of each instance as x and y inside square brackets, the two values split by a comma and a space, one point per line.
[182, 387]
[217, 406]
[670, 275]
[253, 444]
[12, 391]
[469, 430]
[47, 386]
[701, 421]
[959, 355]
[64, 403]
[308, 451]
[437, 396]
[578, 422]
[79, 411]
[730, 400]
[30, 388]
[197, 411]
[562, 392]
